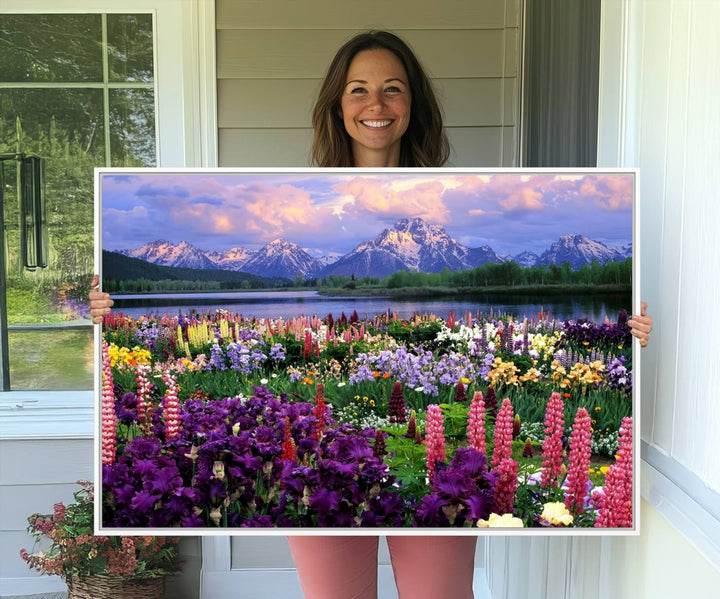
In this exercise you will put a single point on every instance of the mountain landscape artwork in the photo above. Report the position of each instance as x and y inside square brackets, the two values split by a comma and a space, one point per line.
[358, 226]
[396, 349]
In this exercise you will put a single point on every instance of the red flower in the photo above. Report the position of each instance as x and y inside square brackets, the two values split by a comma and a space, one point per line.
[396, 406]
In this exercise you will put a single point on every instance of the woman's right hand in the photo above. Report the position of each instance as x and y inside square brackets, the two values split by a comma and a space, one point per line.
[100, 302]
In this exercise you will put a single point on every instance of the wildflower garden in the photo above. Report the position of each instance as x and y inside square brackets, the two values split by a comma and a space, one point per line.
[214, 420]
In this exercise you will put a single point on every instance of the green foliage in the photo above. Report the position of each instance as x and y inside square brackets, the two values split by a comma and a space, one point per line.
[407, 461]
[128, 275]
[455, 417]
[409, 334]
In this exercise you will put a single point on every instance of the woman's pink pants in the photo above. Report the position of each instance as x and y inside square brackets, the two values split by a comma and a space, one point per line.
[334, 567]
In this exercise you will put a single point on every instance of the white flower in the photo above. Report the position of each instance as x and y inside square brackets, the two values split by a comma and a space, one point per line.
[263, 381]
[342, 384]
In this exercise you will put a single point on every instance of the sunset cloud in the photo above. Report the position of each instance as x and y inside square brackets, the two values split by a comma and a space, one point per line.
[423, 200]
[329, 212]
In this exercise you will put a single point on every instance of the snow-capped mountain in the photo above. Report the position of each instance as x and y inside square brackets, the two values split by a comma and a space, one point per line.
[183, 255]
[281, 258]
[626, 250]
[526, 259]
[411, 244]
[232, 259]
[329, 258]
[578, 250]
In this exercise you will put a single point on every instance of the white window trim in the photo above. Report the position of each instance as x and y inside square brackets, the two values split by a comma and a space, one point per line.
[186, 124]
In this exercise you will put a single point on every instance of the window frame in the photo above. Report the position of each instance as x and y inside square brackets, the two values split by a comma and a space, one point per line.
[186, 136]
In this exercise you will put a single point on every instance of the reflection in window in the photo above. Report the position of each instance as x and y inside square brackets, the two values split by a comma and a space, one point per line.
[77, 90]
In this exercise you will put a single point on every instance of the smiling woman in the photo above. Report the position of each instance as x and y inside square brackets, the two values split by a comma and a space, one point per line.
[374, 78]
[375, 107]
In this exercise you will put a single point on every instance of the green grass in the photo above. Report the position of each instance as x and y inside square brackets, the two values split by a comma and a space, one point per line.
[54, 359]
[28, 306]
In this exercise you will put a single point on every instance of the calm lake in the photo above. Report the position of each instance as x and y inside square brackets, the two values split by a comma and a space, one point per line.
[287, 304]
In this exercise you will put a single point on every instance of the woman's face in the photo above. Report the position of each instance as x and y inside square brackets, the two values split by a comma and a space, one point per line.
[375, 107]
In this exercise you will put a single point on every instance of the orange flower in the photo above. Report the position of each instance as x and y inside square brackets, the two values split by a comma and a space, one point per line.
[376, 374]
[386, 375]
[566, 395]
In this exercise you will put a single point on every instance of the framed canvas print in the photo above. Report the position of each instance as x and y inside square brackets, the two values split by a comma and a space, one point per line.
[440, 351]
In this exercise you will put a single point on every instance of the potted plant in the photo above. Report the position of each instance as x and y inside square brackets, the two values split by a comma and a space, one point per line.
[98, 567]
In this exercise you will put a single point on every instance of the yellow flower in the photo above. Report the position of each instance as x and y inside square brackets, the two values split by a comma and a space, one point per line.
[557, 514]
[465, 380]
[597, 408]
[504, 521]
[604, 469]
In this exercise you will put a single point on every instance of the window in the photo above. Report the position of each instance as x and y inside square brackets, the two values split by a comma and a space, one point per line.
[77, 90]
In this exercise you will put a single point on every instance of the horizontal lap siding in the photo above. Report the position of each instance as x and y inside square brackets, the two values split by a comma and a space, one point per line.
[334, 14]
[678, 145]
[34, 475]
[271, 59]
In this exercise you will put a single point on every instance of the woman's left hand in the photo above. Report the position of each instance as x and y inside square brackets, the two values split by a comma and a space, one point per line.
[641, 325]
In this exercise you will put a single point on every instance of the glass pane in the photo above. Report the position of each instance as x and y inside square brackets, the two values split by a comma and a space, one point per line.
[50, 48]
[132, 127]
[65, 127]
[130, 47]
[51, 118]
[54, 359]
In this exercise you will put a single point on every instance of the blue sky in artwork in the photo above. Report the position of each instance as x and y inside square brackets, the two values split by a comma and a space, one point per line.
[332, 212]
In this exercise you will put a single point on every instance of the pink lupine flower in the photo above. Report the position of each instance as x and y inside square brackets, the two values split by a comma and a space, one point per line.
[503, 433]
[506, 486]
[579, 462]
[434, 438]
[625, 454]
[476, 422]
[171, 406]
[615, 500]
[144, 391]
[107, 410]
[552, 445]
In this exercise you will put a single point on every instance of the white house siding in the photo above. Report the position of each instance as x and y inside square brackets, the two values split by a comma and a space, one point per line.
[34, 475]
[46, 446]
[271, 57]
[660, 81]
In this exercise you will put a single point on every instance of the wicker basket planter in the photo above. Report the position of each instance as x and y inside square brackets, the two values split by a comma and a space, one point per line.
[116, 587]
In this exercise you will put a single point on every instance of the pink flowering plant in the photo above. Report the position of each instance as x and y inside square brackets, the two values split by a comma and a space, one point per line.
[65, 545]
